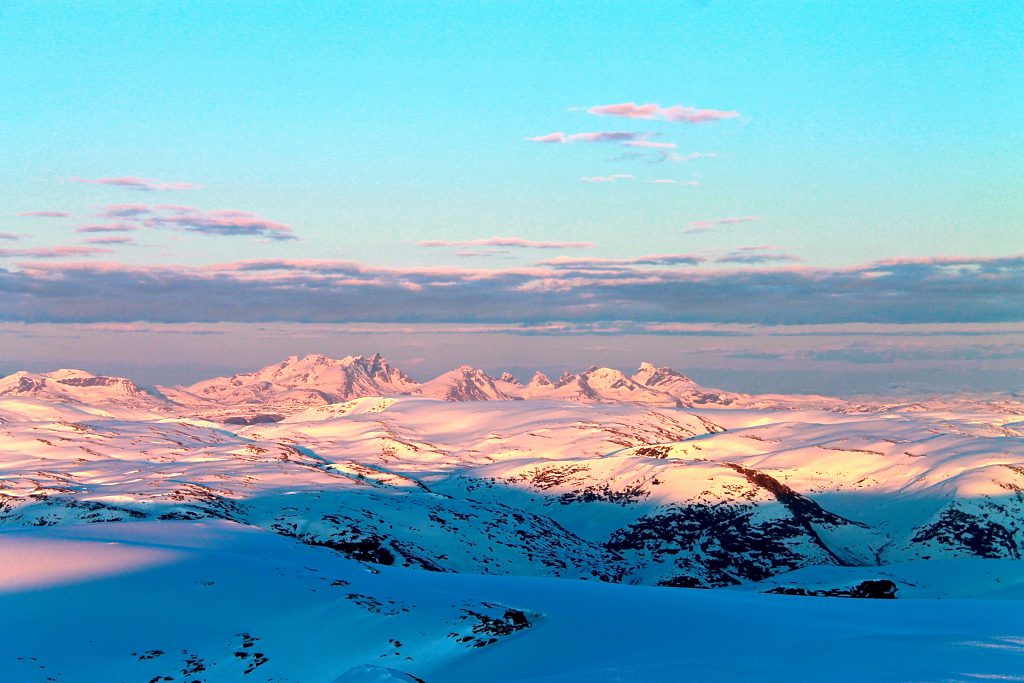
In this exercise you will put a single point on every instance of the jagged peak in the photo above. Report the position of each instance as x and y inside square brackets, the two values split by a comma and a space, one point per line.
[64, 373]
[595, 370]
[649, 375]
[540, 379]
[509, 378]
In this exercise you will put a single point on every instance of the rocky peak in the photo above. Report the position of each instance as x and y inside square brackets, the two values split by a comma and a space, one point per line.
[649, 375]
[509, 378]
[539, 379]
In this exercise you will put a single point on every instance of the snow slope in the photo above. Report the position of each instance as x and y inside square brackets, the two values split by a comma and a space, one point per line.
[218, 602]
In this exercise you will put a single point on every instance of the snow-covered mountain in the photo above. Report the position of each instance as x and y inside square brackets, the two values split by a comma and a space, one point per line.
[349, 466]
[82, 389]
[465, 383]
[332, 380]
[299, 383]
[292, 385]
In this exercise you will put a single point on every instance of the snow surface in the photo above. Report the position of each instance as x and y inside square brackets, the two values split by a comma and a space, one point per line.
[319, 617]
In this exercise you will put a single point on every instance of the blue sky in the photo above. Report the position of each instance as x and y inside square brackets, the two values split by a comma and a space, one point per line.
[847, 133]
[867, 130]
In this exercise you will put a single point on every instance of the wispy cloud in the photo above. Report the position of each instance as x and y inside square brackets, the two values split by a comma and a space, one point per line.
[605, 136]
[45, 214]
[226, 222]
[107, 227]
[483, 253]
[649, 144]
[657, 152]
[112, 239]
[517, 242]
[607, 178]
[124, 211]
[677, 113]
[706, 226]
[673, 181]
[756, 255]
[683, 158]
[220, 222]
[649, 260]
[139, 184]
[53, 252]
[12, 236]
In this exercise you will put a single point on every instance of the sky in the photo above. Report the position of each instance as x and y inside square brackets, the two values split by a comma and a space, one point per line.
[580, 171]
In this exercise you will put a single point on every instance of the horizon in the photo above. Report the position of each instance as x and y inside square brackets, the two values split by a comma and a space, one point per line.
[422, 372]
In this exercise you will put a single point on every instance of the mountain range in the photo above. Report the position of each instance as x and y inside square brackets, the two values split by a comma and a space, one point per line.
[294, 384]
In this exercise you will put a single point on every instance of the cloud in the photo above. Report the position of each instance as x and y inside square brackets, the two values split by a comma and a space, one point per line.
[517, 242]
[107, 227]
[113, 239]
[660, 152]
[124, 211]
[648, 144]
[606, 136]
[676, 113]
[483, 253]
[45, 214]
[12, 236]
[706, 226]
[683, 158]
[955, 289]
[140, 184]
[220, 222]
[650, 260]
[607, 178]
[227, 222]
[755, 255]
[52, 252]
[671, 181]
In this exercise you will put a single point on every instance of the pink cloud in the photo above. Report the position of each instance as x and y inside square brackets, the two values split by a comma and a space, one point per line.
[604, 136]
[222, 222]
[52, 252]
[140, 184]
[683, 158]
[676, 113]
[506, 242]
[124, 211]
[647, 144]
[216, 222]
[107, 227]
[756, 255]
[649, 260]
[480, 253]
[706, 226]
[113, 239]
[607, 178]
[45, 214]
